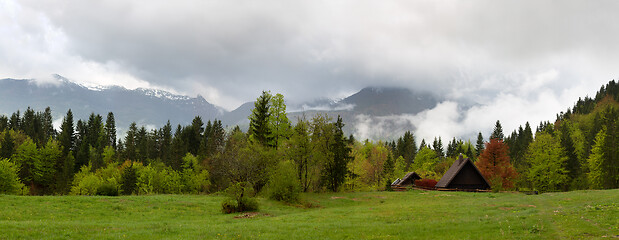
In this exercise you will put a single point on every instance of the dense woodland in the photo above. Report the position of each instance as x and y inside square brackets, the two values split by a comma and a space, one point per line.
[577, 151]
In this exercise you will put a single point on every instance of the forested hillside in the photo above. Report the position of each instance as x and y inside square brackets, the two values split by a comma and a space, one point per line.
[577, 151]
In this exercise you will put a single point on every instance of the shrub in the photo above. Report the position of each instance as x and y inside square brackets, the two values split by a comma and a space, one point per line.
[107, 189]
[283, 184]
[429, 183]
[388, 185]
[9, 181]
[239, 199]
[129, 180]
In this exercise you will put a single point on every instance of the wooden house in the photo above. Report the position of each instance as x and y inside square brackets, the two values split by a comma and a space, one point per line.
[464, 175]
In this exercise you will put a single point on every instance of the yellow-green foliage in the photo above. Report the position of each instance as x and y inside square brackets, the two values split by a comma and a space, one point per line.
[596, 170]
[425, 163]
[9, 181]
[547, 164]
[283, 184]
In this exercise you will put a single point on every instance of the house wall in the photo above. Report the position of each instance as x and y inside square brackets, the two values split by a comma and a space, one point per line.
[468, 178]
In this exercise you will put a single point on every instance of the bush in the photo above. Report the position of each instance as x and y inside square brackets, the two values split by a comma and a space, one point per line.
[429, 183]
[129, 180]
[107, 189]
[239, 199]
[388, 185]
[9, 180]
[283, 184]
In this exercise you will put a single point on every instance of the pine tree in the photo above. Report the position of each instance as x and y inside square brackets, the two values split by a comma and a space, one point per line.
[497, 133]
[165, 151]
[259, 129]
[438, 147]
[15, 121]
[572, 164]
[110, 130]
[67, 134]
[130, 142]
[47, 125]
[4, 123]
[8, 145]
[336, 168]
[422, 144]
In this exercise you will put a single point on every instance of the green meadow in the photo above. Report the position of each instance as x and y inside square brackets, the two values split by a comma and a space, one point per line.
[360, 215]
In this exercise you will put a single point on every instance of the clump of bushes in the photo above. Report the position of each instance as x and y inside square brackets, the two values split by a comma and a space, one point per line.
[429, 183]
[239, 199]
[9, 180]
[283, 185]
[107, 189]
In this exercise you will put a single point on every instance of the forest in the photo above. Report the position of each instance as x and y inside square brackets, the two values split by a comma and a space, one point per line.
[576, 151]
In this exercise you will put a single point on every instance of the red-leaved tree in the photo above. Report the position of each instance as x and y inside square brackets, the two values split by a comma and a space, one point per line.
[494, 163]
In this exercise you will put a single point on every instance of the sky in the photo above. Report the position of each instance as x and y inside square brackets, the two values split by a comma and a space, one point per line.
[513, 61]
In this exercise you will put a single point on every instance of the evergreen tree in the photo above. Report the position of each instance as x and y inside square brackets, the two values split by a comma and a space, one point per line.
[407, 147]
[82, 153]
[194, 136]
[47, 125]
[15, 121]
[110, 130]
[497, 133]
[336, 167]
[130, 142]
[129, 180]
[165, 151]
[438, 147]
[389, 166]
[8, 145]
[422, 144]
[67, 134]
[4, 123]
[572, 164]
[259, 129]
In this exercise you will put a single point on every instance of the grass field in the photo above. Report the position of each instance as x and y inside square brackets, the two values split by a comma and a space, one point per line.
[365, 215]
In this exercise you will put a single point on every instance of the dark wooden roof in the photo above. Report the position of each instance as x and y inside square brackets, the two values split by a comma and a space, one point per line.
[463, 174]
[409, 178]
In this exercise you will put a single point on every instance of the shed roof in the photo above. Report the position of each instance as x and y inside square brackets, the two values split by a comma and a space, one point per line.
[455, 169]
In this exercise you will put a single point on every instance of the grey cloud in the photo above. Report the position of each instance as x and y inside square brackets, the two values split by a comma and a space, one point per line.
[473, 52]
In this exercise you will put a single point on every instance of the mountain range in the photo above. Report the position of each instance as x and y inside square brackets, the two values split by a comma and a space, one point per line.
[153, 108]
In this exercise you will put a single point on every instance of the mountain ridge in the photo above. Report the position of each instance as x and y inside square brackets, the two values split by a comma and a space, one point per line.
[154, 107]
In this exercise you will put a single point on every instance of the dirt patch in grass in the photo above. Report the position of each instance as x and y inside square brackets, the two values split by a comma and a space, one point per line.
[251, 215]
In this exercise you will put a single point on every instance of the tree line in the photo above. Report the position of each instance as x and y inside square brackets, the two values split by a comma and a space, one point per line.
[577, 151]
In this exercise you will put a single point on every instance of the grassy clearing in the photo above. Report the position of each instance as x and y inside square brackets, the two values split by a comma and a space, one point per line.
[366, 215]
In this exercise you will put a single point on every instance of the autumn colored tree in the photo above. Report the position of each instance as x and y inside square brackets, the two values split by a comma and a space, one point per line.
[494, 163]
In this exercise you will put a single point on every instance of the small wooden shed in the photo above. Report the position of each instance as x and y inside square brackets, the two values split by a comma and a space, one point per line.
[463, 174]
[408, 179]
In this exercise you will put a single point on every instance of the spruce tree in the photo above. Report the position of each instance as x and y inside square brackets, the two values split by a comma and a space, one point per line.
[497, 133]
[8, 145]
[336, 167]
[479, 147]
[259, 129]
[110, 130]
[67, 133]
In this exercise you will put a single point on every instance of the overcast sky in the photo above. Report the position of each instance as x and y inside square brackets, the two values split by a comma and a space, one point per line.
[517, 60]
